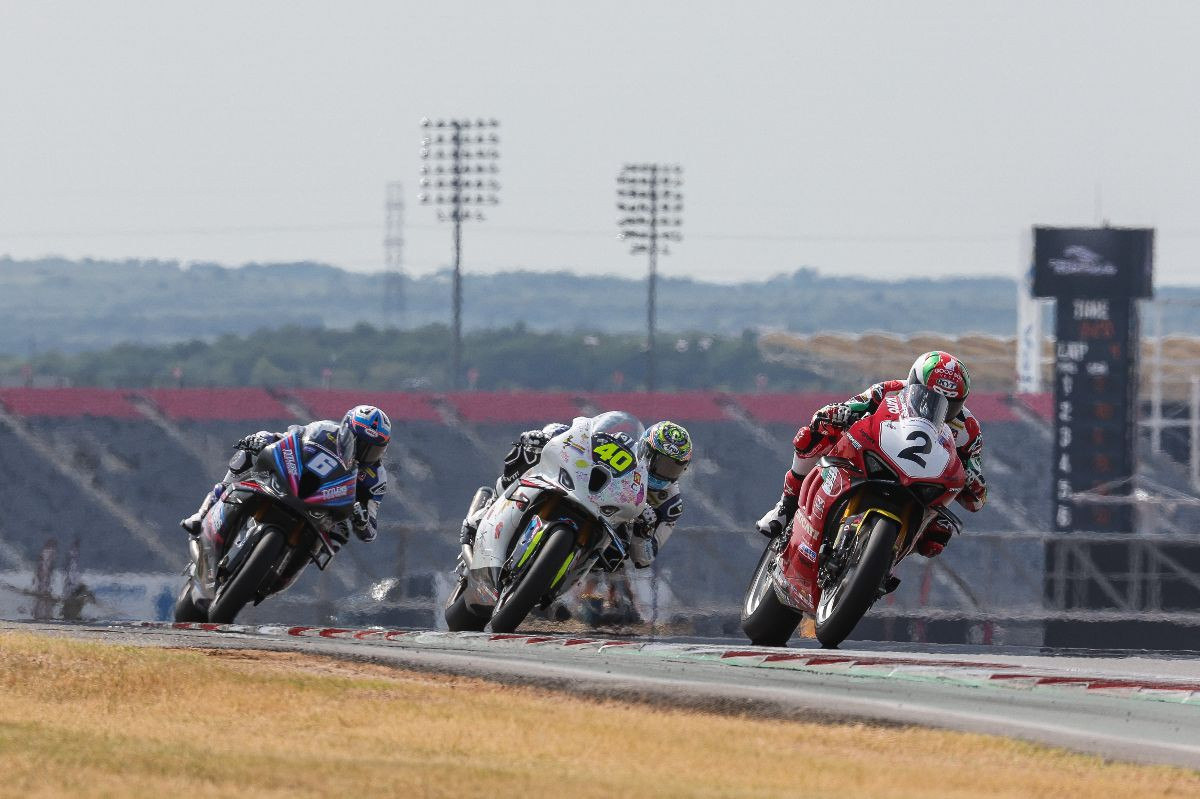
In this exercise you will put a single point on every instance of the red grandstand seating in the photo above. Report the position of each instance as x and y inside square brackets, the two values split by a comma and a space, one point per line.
[517, 406]
[693, 406]
[400, 406]
[798, 408]
[111, 403]
[1040, 404]
[207, 404]
[794, 409]
[991, 407]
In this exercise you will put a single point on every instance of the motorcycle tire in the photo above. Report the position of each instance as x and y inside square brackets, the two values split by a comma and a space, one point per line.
[242, 587]
[765, 620]
[536, 581]
[459, 617]
[858, 587]
[185, 608]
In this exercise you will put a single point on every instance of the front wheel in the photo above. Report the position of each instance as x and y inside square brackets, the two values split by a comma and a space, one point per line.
[185, 607]
[459, 617]
[845, 602]
[242, 587]
[765, 620]
[548, 566]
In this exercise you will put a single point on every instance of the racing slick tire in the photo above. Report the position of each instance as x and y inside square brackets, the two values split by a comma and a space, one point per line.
[536, 582]
[244, 585]
[185, 608]
[459, 617]
[843, 604]
[765, 620]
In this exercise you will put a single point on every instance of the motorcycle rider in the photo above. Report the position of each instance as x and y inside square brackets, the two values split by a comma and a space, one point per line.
[665, 448]
[938, 371]
[366, 426]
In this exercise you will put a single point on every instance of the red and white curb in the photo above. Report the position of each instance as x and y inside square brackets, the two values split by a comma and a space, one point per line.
[943, 670]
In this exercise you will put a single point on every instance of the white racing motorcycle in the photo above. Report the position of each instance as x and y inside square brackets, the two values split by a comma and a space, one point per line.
[552, 525]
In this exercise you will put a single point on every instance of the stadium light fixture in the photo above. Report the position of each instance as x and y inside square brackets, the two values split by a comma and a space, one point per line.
[459, 163]
[650, 204]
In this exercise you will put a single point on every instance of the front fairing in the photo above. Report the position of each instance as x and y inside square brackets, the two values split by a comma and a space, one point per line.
[889, 456]
[311, 467]
[597, 470]
[570, 469]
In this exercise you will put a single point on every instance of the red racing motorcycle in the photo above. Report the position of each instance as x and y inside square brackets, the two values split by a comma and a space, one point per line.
[861, 511]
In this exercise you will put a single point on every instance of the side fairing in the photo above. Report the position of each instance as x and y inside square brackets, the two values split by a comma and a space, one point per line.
[499, 523]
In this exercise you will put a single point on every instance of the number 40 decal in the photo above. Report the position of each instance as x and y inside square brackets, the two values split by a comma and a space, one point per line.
[615, 456]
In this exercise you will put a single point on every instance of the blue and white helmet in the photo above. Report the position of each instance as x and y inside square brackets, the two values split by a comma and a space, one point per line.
[370, 429]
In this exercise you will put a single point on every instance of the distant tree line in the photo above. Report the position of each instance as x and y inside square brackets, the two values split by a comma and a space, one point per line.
[388, 359]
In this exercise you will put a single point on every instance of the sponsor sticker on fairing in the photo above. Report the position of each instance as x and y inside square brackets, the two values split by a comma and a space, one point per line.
[289, 460]
[828, 479]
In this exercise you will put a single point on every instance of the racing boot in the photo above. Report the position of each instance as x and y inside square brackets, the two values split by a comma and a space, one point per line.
[192, 523]
[935, 538]
[779, 518]
[483, 499]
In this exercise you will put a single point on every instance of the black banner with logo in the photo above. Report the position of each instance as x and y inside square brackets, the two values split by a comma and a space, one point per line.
[1092, 262]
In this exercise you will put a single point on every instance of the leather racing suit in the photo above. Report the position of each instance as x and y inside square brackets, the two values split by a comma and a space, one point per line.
[370, 488]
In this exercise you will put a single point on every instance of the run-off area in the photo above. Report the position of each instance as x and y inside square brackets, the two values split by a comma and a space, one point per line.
[215, 714]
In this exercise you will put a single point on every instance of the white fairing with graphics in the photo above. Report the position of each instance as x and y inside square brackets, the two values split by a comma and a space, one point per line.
[592, 461]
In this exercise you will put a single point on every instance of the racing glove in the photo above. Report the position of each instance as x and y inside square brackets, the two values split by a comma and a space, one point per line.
[524, 453]
[256, 441]
[643, 526]
[832, 419]
[532, 444]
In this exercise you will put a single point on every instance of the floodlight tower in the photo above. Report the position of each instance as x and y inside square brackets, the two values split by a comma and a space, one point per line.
[651, 203]
[393, 251]
[458, 175]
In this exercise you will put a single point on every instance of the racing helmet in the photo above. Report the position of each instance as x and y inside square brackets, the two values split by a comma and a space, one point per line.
[365, 431]
[942, 372]
[666, 449]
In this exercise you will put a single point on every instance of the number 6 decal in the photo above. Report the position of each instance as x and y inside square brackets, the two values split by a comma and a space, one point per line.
[323, 463]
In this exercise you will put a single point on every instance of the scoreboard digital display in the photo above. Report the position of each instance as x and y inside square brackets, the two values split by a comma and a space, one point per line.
[1096, 275]
[1095, 406]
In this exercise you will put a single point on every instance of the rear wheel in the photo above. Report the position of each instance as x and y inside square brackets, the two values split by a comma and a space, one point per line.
[845, 602]
[185, 608]
[536, 581]
[765, 620]
[459, 617]
[242, 587]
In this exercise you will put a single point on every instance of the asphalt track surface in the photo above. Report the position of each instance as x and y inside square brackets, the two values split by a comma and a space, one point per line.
[1134, 706]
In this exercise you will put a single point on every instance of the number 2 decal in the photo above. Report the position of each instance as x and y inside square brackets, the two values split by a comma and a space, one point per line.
[915, 452]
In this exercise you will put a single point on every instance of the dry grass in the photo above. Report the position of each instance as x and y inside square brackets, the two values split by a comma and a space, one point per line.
[96, 720]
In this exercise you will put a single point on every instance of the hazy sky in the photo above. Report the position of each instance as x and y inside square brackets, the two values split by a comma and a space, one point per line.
[884, 139]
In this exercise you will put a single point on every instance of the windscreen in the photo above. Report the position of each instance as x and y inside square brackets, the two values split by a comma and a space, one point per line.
[616, 423]
[614, 436]
[922, 402]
